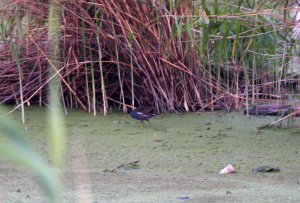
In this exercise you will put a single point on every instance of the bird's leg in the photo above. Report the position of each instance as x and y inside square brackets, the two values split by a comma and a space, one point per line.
[149, 123]
[143, 124]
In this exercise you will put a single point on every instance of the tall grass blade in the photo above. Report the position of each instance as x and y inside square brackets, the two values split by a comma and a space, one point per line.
[21, 151]
[17, 59]
[85, 65]
[101, 68]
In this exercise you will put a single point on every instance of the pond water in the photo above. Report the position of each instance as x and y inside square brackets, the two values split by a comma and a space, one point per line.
[180, 164]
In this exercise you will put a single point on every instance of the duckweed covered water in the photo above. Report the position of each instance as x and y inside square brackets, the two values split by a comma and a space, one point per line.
[185, 163]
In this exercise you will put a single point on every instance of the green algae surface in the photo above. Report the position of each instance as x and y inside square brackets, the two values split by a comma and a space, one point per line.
[182, 160]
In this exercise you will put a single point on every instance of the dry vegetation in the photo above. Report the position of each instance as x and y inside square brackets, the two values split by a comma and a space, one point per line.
[185, 56]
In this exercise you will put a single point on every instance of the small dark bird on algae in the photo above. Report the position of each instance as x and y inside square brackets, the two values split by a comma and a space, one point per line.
[142, 113]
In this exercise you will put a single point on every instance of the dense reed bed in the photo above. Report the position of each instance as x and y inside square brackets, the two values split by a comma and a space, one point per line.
[172, 55]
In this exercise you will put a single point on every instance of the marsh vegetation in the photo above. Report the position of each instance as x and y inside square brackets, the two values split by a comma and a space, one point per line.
[103, 56]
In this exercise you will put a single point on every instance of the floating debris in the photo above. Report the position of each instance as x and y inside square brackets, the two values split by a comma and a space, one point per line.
[228, 169]
[183, 197]
[130, 166]
[228, 192]
[109, 171]
[265, 169]
[271, 109]
[261, 128]
[157, 140]
[195, 128]
[220, 115]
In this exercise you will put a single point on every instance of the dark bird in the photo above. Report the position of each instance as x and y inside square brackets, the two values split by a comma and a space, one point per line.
[142, 113]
